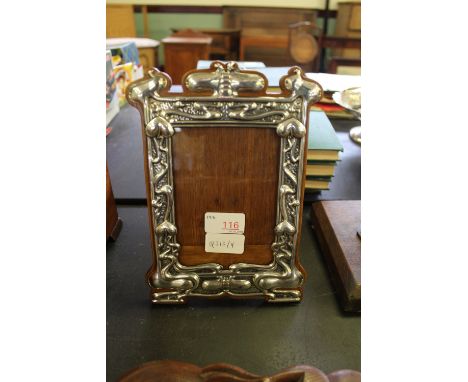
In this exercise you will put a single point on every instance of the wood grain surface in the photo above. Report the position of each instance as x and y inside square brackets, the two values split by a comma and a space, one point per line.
[220, 169]
[336, 224]
[182, 50]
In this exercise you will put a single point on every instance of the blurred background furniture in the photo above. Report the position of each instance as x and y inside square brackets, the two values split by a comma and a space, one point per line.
[182, 50]
[147, 49]
[305, 45]
[120, 21]
[338, 64]
[264, 35]
[225, 44]
[246, 33]
[348, 24]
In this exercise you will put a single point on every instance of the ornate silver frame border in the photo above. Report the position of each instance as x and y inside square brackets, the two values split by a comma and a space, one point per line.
[162, 112]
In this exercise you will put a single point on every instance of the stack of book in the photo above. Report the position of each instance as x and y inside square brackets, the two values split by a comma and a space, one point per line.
[323, 152]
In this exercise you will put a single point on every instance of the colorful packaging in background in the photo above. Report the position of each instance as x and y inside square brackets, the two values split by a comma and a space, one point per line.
[123, 76]
[137, 72]
[127, 67]
[110, 82]
[112, 101]
[128, 52]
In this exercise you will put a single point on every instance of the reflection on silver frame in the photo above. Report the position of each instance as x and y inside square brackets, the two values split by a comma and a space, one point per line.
[162, 112]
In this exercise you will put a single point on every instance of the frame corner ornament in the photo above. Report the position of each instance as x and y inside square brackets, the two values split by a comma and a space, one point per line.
[235, 98]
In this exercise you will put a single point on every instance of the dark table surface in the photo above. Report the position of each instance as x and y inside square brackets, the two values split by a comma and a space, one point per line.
[262, 338]
[257, 336]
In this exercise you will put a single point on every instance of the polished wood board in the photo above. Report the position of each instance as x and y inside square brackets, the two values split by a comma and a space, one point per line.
[336, 224]
[225, 169]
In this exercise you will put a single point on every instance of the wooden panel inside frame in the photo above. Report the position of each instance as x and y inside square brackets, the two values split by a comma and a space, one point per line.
[225, 169]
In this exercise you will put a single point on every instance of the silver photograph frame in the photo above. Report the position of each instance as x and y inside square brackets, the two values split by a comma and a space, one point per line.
[224, 95]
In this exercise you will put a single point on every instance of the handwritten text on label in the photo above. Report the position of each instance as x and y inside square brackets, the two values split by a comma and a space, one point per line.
[224, 243]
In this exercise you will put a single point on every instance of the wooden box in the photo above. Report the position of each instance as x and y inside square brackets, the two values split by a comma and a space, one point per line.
[337, 224]
[226, 146]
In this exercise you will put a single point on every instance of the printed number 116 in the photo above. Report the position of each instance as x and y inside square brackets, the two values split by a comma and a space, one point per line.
[231, 225]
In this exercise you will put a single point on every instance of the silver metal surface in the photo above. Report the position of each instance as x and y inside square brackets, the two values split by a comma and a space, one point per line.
[279, 281]
[225, 81]
[350, 99]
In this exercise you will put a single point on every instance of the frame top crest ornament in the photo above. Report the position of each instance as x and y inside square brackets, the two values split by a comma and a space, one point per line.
[224, 95]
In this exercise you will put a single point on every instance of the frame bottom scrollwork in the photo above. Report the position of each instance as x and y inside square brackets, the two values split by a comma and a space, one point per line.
[274, 296]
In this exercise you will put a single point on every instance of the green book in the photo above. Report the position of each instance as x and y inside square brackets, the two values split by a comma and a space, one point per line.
[322, 135]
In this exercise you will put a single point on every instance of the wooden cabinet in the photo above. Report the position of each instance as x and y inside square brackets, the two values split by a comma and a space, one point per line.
[182, 51]
[225, 44]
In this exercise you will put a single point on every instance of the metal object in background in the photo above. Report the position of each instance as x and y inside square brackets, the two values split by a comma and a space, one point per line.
[351, 99]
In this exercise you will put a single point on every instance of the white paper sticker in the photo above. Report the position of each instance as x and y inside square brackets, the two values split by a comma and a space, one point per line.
[223, 222]
[224, 243]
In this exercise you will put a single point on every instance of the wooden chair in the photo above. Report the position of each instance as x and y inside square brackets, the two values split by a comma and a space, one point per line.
[225, 151]
[305, 45]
